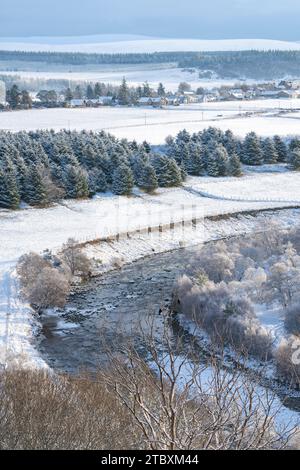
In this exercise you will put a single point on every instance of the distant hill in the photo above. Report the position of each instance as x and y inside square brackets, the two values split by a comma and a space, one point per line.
[139, 44]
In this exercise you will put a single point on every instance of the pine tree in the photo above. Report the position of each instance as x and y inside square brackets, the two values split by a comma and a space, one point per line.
[14, 97]
[252, 152]
[90, 92]
[161, 90]
[148, 179]
[221, 157]
[295, 159]
[281, 149]
[269, 151]
[124, 95]
[167, 171]
[122, 180]
[146, 90]
[35, 192]
[76, 182]
[68, 95]
[195, 165]
[97, 181]
[9, 194]
[234, 165]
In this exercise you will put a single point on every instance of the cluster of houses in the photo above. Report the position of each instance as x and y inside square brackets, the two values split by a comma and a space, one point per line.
[92, 103]
[276, 90]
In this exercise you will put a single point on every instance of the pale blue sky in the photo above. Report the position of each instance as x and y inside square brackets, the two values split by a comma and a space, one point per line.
[213, 19]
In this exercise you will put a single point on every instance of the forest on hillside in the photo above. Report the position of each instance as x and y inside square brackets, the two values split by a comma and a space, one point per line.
[266, 65]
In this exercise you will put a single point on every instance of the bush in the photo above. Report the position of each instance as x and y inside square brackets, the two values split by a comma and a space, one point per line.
[76, 261]
[227, 319]
[50, 289]
[287, 359]
[292, 319]
[42, 285]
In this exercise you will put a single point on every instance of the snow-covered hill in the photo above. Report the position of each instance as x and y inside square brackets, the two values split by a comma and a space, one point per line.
[139, 44]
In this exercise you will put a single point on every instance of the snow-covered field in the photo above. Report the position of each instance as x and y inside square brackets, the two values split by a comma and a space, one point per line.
[156, 124]
[280, 187]
[39, 229]
[140, 44]
[135, 75]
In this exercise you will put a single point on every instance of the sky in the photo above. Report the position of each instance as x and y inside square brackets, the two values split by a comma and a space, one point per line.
[202, 19]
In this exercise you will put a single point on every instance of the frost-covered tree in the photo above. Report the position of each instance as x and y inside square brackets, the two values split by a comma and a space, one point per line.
[123, 180]
[294, 159]
[167, 171]
[234, 165]
[252, 152]
[269, 151]
[281, 149]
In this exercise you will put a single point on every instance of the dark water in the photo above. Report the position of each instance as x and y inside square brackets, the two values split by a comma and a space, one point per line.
[109, 310]
[109, 307]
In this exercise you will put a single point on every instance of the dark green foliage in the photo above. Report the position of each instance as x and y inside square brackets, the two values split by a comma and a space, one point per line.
[269, 151]
[234, 165]
[122, 180]
[167, 171]
[281, 149]
[295, 159]
[41, 167]
[252, 152]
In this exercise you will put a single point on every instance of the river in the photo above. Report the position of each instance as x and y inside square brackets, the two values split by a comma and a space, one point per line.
[110, 308]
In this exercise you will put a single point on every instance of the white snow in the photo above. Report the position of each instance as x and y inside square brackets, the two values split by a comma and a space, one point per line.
[259, 187]
[262, 116]
[38, 229]
[114, 74]
[141, 44]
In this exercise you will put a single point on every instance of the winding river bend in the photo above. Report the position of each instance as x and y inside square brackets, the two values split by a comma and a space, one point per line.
[109, 308]
[117, 301]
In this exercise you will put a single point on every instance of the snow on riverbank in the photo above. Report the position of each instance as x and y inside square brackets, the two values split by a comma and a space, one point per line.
[38, 229]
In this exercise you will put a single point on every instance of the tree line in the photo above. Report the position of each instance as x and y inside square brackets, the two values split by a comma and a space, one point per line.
[41, 167]
[267, 65]
[122, 94]
[255, 64]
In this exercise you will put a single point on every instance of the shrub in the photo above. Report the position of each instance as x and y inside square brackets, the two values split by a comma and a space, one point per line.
[287, 359]
[76, 261]
[292, 319]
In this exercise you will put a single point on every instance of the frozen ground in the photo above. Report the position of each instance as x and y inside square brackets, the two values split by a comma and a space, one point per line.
[262, 116]
[38, 229]
[125, 44]
[135, 75]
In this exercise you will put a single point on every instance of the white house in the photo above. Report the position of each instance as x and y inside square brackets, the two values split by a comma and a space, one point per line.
[77, 103]
[2, 93]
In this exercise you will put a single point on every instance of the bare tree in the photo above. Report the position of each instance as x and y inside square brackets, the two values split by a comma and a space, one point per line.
[180, 404]
[77, 262]
[51, 289]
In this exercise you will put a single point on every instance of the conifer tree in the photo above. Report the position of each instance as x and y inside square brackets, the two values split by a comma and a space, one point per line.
[167, 171]
[281, 149]
[295, 159]
[234, 165]
[148, 179]
[35, 192]
[269, 151]
[122, 180]
[252, 152]
[123, 95]
[9, 194]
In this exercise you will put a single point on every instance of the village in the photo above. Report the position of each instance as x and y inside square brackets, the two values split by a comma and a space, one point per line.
[83, 95]
[284, 89]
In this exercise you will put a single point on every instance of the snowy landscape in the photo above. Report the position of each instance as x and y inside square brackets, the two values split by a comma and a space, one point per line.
[149, 240]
